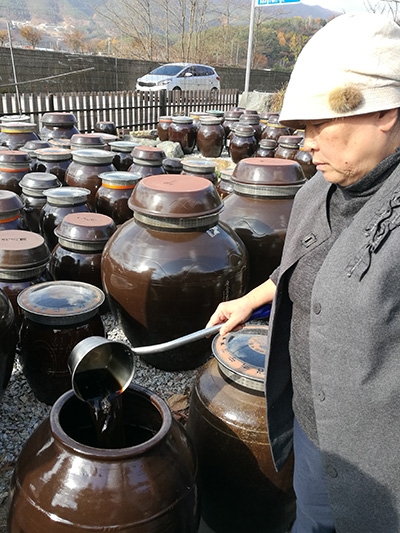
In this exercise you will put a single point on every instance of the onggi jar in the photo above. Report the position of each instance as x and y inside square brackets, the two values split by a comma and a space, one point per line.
[202, 168]
[59, 203]
[147, 161]
[243, 143]
[172, 165]
[16, 134]
[87, 141]
[23, 260]
[33, 198]
[231, 118]
[53, 160]
[288, 146]
[225, 185]
[122, 151]
[227, 423]
[81, 240]
[210, 136]
[183, 131]
[166, 270]
[106, 126]
[252, 120]
[259, 209]
[274, 129]
[85, 169]
[266, 148]
[57, 315]
[14, 164]
[163, 127]
[58, 125]
[10, 211]
[114, 193]
[9, 339]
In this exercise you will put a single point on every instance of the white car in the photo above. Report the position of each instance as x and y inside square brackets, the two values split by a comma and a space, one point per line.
[180, 76]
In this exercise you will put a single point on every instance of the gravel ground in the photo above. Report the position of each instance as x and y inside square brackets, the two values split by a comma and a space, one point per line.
[21, 412]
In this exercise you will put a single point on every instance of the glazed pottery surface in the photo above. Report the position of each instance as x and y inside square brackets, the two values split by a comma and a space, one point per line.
[113, 195]
[14, 164]
[11, 207]
[58, 125]
[8, 340]
[33, 186]
[62, 482]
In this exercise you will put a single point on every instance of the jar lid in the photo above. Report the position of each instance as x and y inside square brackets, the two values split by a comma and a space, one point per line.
[199, 165]
[180, 119]
[216, 112]
[232, 115]
[172, 164]
[18, 127]
[14, 156]
[33, 145]
[165, 119]
[123, 146]
[60, 302]
[241, 355]
[249, 119]
[268, 143]
[108, 137]
[67, 195]
[53, 154]
[78, 228]
[268, 171]
[9, 202]
[20, 249]
[226, 174]
[212, 121]
[59, 118]
[93, 157]
[175, 196]
[85, 139]
[273, 119]
[120, 179]
[37, 182]
[149, 153]
[14, 118]
[61, 143]
[290, 140]
[243, 130]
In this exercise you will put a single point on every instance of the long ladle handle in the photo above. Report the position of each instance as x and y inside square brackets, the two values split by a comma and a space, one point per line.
[261, 312]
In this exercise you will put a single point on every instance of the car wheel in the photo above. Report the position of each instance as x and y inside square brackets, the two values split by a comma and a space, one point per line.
[214, 90]
[177, 89]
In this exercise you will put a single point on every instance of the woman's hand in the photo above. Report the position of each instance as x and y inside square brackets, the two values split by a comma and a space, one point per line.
[231, 314]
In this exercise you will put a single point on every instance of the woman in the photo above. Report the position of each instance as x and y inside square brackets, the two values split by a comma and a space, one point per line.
[333, 371]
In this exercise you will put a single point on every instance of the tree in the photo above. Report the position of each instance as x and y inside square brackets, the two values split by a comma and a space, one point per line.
[385, 7]
[31, 34]
[75, 40]
[3, 37]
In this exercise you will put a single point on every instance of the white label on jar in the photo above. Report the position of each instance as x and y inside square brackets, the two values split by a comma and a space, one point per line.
[214, 231]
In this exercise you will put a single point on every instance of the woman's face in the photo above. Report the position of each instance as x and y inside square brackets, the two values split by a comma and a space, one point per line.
[345, 149]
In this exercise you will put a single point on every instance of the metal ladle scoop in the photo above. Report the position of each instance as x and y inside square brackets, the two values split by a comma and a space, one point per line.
[103, 368]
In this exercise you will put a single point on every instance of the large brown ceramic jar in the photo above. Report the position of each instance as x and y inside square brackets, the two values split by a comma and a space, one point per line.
[252, 120]
[150, 486]
[114, 193]
[288, 146]
[163, 125]
[183, 131]
[57, 315]
[259, 209]
[106, 126]
[210, 136]
[23, 261]
[14, 164]
[87, 141]
[231, 118]
[60, 202]
[172, 165]
[241, 491]
[11, 207]
[196, 116]
[266, 148]
[16, 134]
[274, 129]
[81, 240]
[85, 170]
[31, 146]
[33, 198]
[202, 168]
[304, 158]
[122, 151]
[53, 160]
[58, 125]
[147, 161]
[167, 269]
[225, 185]
[8, 340]
[243, 143]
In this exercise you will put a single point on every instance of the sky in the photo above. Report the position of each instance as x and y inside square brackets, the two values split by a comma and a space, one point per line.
[339, 5]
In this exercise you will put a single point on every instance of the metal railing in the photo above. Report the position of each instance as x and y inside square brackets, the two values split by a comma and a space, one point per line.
[129, 110]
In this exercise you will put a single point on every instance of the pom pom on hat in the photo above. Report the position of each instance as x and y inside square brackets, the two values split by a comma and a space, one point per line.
[349, 67]
[342, 100]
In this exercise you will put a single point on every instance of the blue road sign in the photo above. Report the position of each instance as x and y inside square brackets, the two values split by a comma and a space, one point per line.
[276, 2]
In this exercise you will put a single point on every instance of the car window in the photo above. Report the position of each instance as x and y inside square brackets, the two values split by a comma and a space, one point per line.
[167, 70]
[182, 74]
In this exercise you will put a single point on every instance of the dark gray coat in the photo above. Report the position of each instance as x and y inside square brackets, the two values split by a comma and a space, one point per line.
[354, 355]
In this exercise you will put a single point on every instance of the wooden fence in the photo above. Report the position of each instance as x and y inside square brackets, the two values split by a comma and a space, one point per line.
[129, 110]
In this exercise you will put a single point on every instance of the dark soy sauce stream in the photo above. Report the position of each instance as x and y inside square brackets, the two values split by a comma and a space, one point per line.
[99, 387]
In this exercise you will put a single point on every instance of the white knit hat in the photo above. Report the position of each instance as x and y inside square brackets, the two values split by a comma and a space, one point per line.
[349, 67]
